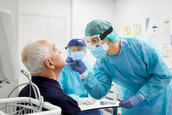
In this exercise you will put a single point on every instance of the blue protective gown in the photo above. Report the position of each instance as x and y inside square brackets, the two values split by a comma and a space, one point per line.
[71, 84]
[139, 68]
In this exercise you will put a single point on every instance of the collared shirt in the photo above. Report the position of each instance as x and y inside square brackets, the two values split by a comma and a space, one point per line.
[52, 92]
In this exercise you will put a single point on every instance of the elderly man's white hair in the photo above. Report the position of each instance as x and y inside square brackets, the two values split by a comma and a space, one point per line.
[33, 56]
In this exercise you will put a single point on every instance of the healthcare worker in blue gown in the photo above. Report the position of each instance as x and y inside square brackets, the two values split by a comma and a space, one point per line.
[70, 80]
[133, 62]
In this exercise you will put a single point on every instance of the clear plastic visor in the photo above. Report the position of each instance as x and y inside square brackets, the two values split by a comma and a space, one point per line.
[92, 41]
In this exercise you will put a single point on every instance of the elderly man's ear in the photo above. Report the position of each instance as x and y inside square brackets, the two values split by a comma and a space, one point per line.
[49, 63]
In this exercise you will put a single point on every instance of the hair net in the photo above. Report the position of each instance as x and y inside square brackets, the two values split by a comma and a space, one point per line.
[98, 27]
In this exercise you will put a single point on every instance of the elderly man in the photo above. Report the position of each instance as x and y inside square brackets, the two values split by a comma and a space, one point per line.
[44, 62]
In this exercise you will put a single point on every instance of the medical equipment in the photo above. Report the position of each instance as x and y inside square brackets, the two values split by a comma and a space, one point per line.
[104, 102]
[119, 100]
[78, 55]
[70, 59]
[25, 105]
[79, 43]
[10, 71]
[86, 100]
[100, 51]
[28, 105]
[92, 41]
[9, 60]
[76, 42]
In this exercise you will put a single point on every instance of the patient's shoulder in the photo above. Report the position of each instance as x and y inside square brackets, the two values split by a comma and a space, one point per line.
[24, 92]
[57, 97]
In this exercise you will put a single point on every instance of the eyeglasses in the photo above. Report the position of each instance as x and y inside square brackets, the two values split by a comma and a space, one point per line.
[92, 41]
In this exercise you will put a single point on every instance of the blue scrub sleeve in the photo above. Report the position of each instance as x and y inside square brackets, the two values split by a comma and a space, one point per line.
[97, 83]
[160, 77]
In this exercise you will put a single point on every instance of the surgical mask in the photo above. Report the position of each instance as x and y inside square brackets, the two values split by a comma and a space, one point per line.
[78, 55]
[100, 51]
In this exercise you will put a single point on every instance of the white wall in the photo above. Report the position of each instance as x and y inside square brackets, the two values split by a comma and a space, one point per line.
[126, 11]
[10, 5]
[87, 10]
[44, 19]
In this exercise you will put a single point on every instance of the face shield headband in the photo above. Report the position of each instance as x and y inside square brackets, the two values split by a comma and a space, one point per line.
[103, 36]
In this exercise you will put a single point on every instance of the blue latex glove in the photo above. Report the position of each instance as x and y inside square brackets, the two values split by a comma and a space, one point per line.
[131, 101]
[76, 65]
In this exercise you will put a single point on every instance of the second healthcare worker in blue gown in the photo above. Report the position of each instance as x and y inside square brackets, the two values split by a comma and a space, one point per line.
[133, 62]
[70, 80]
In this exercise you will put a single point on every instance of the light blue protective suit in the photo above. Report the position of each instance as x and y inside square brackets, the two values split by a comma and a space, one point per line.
[139, 68]
[71, 84]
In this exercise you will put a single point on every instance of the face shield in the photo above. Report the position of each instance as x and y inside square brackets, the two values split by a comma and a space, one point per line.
[76, 45]
[74, 49]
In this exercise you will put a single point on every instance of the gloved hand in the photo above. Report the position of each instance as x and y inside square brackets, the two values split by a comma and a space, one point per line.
[131, 101]
[87, 101]
[76, 65]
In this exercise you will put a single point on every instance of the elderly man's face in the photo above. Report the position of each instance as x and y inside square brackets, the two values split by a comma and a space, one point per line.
[57, 58]
[56, 61]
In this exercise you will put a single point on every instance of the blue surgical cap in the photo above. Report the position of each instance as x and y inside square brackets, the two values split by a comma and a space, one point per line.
[76, 42]
[98, 27]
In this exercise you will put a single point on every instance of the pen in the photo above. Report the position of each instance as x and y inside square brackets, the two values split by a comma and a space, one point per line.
[119, 100]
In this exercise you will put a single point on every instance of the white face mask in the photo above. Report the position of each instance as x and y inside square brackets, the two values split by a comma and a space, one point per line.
[100, 51]
[78, 55]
